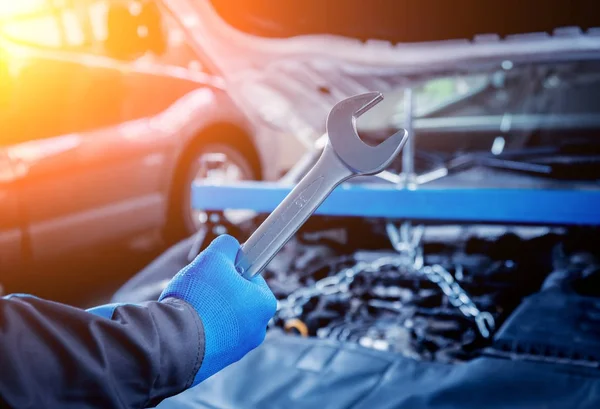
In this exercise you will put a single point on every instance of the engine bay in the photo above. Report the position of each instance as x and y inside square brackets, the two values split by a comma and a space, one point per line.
[398, 313]
[379, 314]
[438, 293]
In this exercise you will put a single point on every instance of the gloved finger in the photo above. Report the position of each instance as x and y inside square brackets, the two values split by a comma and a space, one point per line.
[260, 337]
[259, 280]
[270, 300]
[226, 245]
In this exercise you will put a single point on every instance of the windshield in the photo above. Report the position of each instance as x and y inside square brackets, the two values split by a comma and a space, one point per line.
[541, 119]
[528, 97]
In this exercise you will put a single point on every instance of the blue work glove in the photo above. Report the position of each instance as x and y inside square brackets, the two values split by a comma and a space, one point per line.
[234, 311]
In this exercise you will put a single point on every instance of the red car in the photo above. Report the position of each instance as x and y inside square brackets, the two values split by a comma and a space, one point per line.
[108, 111]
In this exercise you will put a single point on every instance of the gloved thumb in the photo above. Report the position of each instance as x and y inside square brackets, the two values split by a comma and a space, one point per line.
[226, 245]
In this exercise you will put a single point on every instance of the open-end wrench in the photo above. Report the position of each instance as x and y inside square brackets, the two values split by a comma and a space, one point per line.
[345, 156]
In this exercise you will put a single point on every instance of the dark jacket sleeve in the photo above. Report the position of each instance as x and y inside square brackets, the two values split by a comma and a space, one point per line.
[56, 356]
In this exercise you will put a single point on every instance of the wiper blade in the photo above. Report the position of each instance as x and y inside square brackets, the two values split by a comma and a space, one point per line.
[470, 160]
[543, 161]
[581, 147]
[506, 164]
[571, 161]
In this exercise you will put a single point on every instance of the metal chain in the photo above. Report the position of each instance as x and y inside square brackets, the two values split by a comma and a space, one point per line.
[293, 305]
[459, 298]
[407, 241]
[410, 256]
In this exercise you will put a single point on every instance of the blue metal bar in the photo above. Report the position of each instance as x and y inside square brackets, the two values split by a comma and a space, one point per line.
[530, 206]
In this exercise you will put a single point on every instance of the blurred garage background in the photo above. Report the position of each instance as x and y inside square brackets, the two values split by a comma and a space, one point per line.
[110, 109]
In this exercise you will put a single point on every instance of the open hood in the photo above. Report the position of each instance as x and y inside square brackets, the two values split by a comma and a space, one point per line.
[287, 63]
[402, 21]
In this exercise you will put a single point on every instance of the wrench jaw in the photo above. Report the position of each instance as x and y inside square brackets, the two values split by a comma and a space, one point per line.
[363, 102]
[352, 151]
[394, 144]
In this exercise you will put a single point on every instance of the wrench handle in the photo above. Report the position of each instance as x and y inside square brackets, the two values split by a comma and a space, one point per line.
[290, 215]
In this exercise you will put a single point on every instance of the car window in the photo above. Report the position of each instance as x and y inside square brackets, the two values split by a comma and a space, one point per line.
[439, 92]
[45, 23]
[41, 29]
[528, 91]
[174, 49]
[15, 8]
[428, 97]
[98, 13]
[73, 27]
[5, 82]
[178, 51]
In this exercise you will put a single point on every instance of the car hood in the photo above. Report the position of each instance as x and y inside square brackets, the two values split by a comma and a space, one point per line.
[401, 22]
[287, 63]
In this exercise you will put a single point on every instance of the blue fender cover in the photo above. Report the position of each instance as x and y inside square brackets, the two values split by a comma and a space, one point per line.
[304, 373]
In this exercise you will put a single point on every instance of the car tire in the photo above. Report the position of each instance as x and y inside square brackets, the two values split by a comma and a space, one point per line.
[235, 166]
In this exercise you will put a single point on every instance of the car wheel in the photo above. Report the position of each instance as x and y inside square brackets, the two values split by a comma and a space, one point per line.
[214, 163]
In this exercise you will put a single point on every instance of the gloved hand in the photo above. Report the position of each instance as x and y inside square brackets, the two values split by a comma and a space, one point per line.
[234, 311]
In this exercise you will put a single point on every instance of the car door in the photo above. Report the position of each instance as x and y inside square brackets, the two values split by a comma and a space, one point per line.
[170, 72]
[11, 224]
[168, 82]
[89, 166]
[11, 235]
[160, 105]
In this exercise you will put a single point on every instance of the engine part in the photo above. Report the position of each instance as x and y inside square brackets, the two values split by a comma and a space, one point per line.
[439, 299]
[383, 305]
